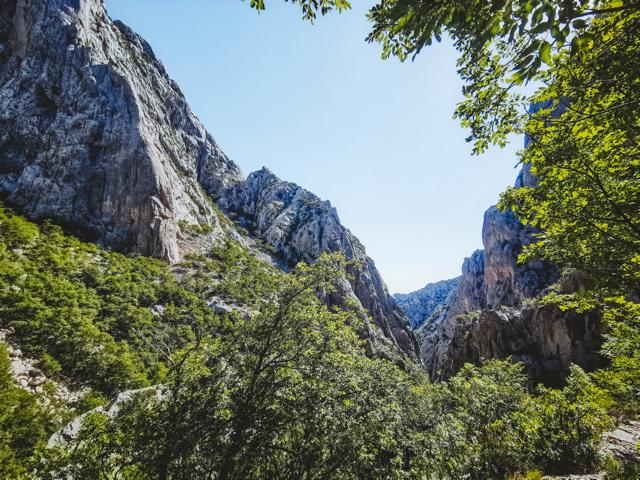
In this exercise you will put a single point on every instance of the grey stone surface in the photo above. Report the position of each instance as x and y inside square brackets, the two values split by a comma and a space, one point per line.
[95, 135]
[422, 304]
[493, 312]
[623, 443]
[69, 433]
[27, 373]
[546, 340]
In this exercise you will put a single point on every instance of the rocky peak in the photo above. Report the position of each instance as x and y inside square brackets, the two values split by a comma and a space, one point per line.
[300, 227]
[293, 220]
[96, 136]
[493, 312]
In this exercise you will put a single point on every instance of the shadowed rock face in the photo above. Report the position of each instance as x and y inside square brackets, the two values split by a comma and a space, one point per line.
[301, 227]
[493, 313]
[95, 135]
[546, 340]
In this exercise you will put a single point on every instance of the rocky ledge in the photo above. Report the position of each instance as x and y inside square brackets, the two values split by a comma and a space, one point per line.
[494, 311]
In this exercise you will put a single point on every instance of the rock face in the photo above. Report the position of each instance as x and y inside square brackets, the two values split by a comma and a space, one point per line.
[492, 277]
[95, 135]
[69, 433]
[300, 227]
[546, 340]
[422, 304]
[623, 443]
[493, 312]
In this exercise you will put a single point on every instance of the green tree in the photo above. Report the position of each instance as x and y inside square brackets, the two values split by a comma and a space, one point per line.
[24, 424]
[569, 424]
[289, 393]
[587, 195]
[503, 44]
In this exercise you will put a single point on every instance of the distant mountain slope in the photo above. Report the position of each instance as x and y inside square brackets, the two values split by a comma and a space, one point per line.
[96, 136]
[421, 304]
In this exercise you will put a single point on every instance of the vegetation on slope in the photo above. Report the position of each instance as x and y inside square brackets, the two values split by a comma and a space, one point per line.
[284, 390]
[87, 314]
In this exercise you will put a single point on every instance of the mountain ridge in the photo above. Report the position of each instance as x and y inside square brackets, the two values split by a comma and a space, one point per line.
[97, 137]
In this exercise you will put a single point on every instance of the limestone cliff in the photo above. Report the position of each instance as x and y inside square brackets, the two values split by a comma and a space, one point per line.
[494, 312]
[95, 135]
[300, 227]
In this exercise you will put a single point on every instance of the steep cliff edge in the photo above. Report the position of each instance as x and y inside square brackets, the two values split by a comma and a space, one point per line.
[494, 312]
[96, 136]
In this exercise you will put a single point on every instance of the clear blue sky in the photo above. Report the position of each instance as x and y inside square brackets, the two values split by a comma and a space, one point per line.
[317, 106]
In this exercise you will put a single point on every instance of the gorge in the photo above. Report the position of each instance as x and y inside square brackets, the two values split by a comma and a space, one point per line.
[149, 267]
[82, 93]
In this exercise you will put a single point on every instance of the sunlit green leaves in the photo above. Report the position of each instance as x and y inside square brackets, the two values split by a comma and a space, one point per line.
[525, 35]
[545, 52]
[310, 8]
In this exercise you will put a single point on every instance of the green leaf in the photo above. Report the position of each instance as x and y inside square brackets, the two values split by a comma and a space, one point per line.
[536, 18]
[579, 24]
[576, 43]
[545, 52]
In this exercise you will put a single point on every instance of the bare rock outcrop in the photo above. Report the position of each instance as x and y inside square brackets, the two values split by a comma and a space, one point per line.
[544, 338]
[28, 375]
[95, 135]
[69, 433]
[494, 313]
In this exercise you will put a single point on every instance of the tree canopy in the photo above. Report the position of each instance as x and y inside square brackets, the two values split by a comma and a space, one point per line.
[286, 390]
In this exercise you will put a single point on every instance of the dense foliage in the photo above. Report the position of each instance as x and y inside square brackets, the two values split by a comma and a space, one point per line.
[88, 314]
[585, 155]
[275, 384]
[281, 388]
[278, 385]
[583, 140]
[503, 45]
[24, 424]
